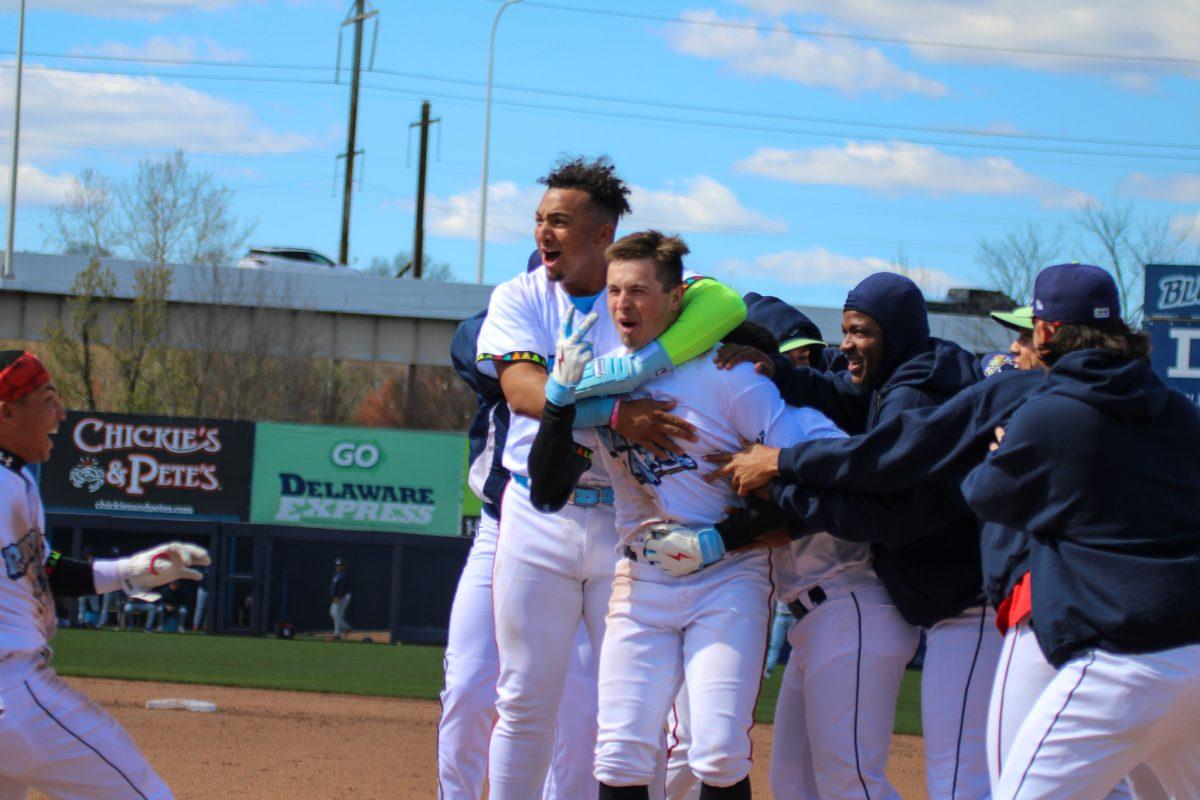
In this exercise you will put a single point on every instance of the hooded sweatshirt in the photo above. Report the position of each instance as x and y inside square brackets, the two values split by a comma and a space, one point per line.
[928, 444]
[1102, 471]
[925, 541]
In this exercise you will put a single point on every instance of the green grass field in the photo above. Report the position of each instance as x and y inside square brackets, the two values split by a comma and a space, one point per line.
[313, 666]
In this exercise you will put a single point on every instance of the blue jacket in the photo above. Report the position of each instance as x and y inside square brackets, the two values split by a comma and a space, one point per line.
[1103, 472]
[929, 444]
[925, 542]
[491, 417]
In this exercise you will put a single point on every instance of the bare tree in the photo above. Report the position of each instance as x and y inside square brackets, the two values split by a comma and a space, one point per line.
[1012, 261]
[83, 224]
[400, 266]
[433, 398]
[71, 346]
[1124, 245]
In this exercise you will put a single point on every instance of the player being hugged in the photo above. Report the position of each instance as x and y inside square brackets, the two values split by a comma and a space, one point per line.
[664, 625]
[52, 738]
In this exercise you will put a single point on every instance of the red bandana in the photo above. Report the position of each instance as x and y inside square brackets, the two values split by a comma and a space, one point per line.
[25, 375]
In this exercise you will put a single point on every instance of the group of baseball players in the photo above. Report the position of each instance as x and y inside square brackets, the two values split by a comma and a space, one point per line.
[659, 459]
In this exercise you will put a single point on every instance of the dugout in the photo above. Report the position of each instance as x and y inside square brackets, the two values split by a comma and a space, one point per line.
[263, 575]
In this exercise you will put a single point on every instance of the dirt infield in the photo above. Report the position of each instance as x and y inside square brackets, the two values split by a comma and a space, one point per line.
[296, 745]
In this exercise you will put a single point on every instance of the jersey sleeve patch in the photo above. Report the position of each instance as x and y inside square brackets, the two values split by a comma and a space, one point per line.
[512, 358]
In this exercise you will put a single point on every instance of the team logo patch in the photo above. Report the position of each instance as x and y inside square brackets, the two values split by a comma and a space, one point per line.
[1101, 312]
[645, 467]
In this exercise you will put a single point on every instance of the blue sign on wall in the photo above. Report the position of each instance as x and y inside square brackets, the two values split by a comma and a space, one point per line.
[1172, 291]
[1175, 355]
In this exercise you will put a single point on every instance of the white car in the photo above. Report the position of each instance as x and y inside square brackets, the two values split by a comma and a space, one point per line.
[288, 258]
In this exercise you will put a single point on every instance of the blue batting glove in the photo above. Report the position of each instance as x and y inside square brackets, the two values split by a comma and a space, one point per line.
[622, 374]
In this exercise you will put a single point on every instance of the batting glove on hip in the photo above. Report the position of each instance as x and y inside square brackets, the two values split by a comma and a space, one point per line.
[679, 551]
[622, 374]
[149, 569]
[571, 356]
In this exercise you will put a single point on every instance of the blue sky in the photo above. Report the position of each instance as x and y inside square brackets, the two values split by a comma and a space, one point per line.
[797, 145]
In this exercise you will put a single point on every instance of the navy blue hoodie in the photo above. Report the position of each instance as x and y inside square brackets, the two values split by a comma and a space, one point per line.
[1103, 472]
[492, 410]
[925, 541]
[933, 443]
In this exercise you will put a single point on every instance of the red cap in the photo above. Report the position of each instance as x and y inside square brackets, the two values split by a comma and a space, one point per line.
[21, 374]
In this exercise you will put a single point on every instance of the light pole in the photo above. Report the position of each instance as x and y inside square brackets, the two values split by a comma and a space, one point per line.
[487, 130]
[16, 137]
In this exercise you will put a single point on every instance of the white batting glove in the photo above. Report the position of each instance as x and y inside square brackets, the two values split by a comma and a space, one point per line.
[149, 569]
[571, 356]
[679, 551]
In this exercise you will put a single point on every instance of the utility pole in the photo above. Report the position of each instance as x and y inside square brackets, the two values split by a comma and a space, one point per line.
[418, 248]
[358, 16]
[16, 139]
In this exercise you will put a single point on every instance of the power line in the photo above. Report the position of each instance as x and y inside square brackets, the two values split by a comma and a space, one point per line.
[864, 37]
[591, 97]
[643, 118]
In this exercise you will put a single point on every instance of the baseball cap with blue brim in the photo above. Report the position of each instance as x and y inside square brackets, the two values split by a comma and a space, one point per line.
[1076, 294]
[1019, 319]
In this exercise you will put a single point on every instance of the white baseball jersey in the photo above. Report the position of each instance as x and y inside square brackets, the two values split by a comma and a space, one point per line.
[524, 317]
[27, 618]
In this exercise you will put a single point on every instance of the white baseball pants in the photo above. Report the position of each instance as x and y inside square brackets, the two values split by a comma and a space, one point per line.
[552, 570]
[708, 628]
[956, 684]
[469, 696]
[681, 783]
[54, 739]
[837, 704]
[1101, 716]
[337, 612]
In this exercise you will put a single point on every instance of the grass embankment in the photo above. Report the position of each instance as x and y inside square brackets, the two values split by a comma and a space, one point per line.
[314, 666]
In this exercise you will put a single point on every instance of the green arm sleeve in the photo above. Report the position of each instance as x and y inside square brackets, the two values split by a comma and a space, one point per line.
[710, 310]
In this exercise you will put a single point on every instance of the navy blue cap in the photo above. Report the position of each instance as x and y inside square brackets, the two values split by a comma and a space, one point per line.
[535, 261]
[1076, 294]
[790, 326]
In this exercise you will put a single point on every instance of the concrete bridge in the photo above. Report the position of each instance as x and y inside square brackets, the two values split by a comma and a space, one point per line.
[321, 314]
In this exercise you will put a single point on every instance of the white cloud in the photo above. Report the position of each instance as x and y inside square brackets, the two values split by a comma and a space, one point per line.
[698, 204]
[902, 167]
[835, 63]
[1176, 189]
[152, 10]
[816, 265]
[62, 110]
[165, 48]
[35, 186]
[1165, 28]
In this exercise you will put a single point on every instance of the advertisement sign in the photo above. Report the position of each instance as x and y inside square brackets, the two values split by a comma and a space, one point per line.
[362, 478]
[146, 465]
[1175, 355]
[1172, 291]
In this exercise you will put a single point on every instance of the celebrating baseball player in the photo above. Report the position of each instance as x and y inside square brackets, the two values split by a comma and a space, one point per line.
[554, 569]
[695, 613]
[472, 662]
[1093, 470]
[52, 738]
[925, 545]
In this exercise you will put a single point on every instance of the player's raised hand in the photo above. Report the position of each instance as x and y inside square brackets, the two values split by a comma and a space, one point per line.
[747, 471]
[571, 355]
[648, 423]
[678, 550]
[149, 569]
[730, 355]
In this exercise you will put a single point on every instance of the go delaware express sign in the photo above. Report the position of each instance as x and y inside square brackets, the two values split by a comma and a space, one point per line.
[366, 478]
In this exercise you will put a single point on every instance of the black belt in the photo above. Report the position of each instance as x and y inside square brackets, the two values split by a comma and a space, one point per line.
[816, 596]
